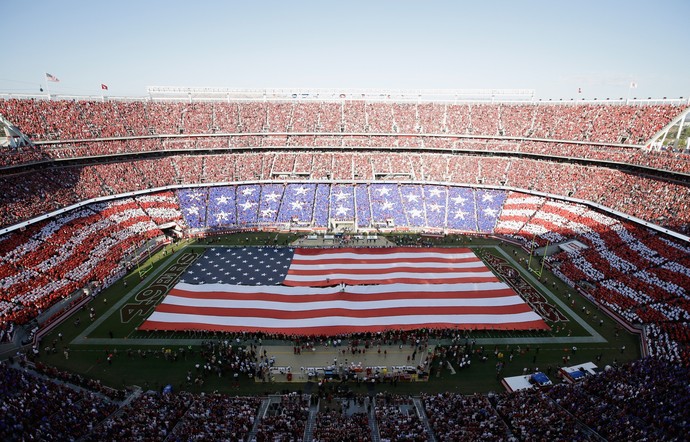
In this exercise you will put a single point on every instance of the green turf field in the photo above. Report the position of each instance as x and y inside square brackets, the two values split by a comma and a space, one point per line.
[144, 358]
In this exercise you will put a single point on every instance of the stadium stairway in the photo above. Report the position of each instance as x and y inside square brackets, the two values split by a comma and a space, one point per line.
[259, 415]
[309, 426]
[423, 417]
[584, 429]
[132, 396]
[492, 402]
[373, 424]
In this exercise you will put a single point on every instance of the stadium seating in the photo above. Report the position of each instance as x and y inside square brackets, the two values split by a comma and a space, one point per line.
[151, 416]
[643, 400]
[296, 149]
[216, 414]
[284, 420]
[53, 259]
[635, 272]
[552, 422]
[80, 121]
[338, 425]
[33, 408]
[463, 418]
[397, 419]
[646, 395]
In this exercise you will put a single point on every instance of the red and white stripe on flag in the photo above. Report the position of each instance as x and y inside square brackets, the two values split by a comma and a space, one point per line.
[385, 289]
[332, 310]
[52, 78]
[352, 266]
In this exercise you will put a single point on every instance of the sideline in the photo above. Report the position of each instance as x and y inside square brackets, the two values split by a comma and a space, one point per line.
[594, 335]
[83, 338]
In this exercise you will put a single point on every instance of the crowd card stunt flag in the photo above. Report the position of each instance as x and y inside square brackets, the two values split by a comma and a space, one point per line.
[340, 290]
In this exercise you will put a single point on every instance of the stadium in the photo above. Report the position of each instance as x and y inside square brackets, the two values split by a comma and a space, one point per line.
[577, 209]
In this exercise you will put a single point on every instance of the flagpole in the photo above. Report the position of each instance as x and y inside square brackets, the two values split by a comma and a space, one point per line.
[45, 76]
[632, 85]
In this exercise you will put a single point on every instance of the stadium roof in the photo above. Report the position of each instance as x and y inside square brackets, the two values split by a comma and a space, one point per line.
[198, 93]
[201, 94]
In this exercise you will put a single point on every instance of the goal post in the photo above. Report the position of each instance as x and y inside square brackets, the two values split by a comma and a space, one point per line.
[532, 252]
[145, 268]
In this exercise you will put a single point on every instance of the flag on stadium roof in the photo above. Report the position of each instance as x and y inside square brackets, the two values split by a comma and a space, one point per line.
[52, 78]
[334, 291]
[104, 87]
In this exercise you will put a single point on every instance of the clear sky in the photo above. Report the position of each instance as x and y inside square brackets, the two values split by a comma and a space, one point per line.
[551, 46]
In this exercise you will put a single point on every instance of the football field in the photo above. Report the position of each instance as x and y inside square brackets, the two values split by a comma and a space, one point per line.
[114, 349]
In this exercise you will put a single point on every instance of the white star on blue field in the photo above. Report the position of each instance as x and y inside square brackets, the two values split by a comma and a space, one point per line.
[240, 266]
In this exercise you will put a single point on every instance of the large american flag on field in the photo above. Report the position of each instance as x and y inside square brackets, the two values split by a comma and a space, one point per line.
[340, 290]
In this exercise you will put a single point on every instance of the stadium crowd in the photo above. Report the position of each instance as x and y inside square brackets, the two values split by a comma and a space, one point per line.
[638, 274]
[341, 425]
[72, 127]
[455, 417]
[33, 408]
[216, 416]
[87, 247]
[678, 162]
[81, 119]
[397, 419]
[644, 400]
[32, 194]
[284, 420]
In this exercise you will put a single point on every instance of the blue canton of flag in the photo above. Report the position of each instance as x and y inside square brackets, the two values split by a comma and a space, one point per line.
[241, 266]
